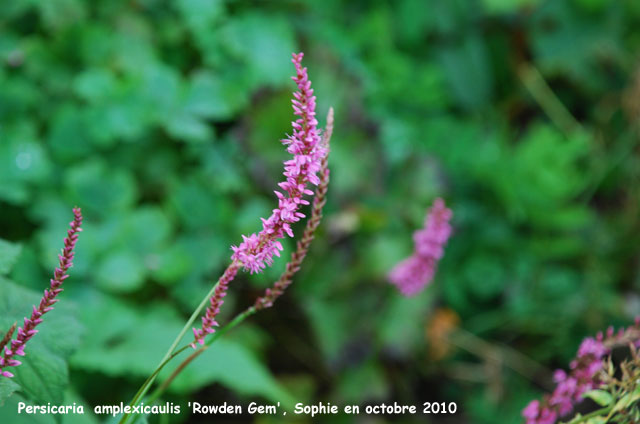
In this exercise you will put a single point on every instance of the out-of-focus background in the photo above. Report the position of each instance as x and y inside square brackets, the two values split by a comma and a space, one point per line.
[162, 120]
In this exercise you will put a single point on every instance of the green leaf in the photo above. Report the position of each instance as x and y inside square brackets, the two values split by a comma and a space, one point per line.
[234, 366]
[126, 341]
[121, 272]
[215, 97]
[9, 413]
[44, 374]
[95, 85]
[570, 43]
[200, 15]
[160, 92]
[330, 326]
[23, 160]
[9, 253]
[508, 6]
[171, 263]
[98, 187]
[266, 42]
[622, 403]
[146, 228]
[187, 127]
[402, 326]
[600, 397]
[57, 14]
[366, 380]
[472, 89]
[7, 388]
[69, 133]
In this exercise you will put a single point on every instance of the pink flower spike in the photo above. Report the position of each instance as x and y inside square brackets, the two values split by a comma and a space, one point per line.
[584, 375]
[417, 271]
[27, 331]
[256, 251]
[304, 144]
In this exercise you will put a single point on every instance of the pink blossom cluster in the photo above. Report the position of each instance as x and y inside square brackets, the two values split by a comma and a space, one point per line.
[415, 272]
[257, 250]
[582, 377]
[26, 332]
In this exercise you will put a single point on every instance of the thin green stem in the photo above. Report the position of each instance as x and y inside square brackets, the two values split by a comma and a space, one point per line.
[170, 352]
[215, 336]
[310, 228]
[547, 99]
[151, 378]
[515, 360]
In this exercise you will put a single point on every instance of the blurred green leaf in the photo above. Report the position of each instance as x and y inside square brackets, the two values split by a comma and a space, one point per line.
[120, 272]
[329, 325]
[112, 348]
[23, 161]
[162, 121]
[9, 253]
[265, 42]
[100, 190]
[95, 85]
[171, 263]
[8, 413]
[189, 128]
[504, 6]
[234, 366]
[472, 89]
[403, 321]
[600, 397]
[367, 377]
[212, 96]
[57, 14]
[146, 228]
[200, 14]
[7, 388]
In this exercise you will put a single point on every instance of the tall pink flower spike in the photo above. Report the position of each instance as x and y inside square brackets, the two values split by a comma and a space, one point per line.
[256, 251]
[415, 272]
[26, 332]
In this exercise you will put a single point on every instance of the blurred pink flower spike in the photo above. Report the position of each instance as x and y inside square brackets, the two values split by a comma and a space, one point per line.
[582, 376]
[417, 271]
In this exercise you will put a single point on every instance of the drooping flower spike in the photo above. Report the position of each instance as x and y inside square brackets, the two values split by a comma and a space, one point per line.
[27, 331]
[415, 272]
[256, 251]
[583, 375]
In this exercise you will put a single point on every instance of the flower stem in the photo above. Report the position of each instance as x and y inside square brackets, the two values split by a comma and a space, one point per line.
[170, 354]
[215, 336]
[592, 414]
[285, 279]
[547, 99]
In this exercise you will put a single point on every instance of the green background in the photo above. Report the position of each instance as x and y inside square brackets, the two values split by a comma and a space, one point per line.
[162, 120]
